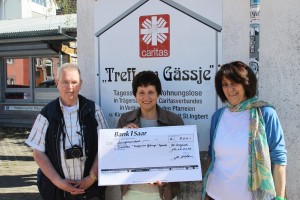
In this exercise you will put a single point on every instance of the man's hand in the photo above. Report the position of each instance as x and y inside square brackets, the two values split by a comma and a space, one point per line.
[85, 183]
[69, 186]
[46, 166]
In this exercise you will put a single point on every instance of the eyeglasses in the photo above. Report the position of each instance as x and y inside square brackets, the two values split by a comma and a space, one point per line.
[66, 84]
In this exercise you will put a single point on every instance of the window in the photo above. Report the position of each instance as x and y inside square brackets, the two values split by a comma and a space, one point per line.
[45, 70]
[17, 73]
[40, 2]
[9, 61]
[17, 78]
[30, 79]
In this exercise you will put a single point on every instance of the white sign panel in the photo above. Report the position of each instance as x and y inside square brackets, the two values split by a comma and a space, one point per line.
[180, 45]
[28, 108]
[169, 154]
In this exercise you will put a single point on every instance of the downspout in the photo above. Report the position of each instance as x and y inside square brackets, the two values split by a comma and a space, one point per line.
[60, 56]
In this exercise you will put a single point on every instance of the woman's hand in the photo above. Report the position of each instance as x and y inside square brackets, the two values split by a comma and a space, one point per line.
[159, 183]
[131, 125]
[163, 184]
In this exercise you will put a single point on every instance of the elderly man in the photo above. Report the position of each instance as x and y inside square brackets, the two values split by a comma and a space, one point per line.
[65, 144]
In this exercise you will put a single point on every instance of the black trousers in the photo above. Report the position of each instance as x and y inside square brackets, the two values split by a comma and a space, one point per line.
[68, 196]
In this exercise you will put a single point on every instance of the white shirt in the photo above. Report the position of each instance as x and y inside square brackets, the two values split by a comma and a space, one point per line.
[72, 168]
[229, 178]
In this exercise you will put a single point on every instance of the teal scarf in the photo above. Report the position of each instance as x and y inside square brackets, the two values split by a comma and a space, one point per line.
[260, 179]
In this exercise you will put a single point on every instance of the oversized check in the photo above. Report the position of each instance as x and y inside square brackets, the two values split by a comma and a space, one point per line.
[143, 155]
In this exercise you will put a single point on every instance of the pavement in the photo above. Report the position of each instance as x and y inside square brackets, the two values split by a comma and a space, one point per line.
[17, 167]
[18, 170]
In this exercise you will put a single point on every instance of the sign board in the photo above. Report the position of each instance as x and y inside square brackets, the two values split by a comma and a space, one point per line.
[169, 154]
[25, 108]
[180, 42]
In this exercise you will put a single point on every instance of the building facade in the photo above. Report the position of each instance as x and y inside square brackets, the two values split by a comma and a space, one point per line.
[34, 42]
[15, 9]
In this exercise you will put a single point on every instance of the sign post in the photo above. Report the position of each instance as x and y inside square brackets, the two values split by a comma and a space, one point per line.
[180, 43]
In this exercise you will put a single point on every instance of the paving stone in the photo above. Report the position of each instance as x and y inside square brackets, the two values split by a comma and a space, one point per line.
[17, 167]
[18, 170]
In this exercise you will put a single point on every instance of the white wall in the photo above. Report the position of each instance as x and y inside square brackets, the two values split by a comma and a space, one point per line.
[279, 63]
[26, 8]
[279, 70]
[12, 9]
[279, 76]
[37, 10]
[85, 46]
[17, 9]
[235, 30]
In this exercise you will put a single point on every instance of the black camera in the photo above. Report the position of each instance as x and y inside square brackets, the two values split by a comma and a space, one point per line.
[74, 152]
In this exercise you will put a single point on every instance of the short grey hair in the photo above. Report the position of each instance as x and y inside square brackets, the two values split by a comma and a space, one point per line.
[67, 66]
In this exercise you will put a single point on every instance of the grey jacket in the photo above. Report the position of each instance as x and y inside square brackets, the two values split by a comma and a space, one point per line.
[165, 118]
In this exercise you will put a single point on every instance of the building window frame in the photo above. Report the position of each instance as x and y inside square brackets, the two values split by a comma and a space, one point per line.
[17, 85]
[40, 2]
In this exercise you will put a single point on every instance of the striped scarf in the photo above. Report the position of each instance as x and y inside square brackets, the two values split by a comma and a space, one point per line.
[260, 179]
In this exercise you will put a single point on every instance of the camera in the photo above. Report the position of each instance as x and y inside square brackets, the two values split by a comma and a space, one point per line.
[74, 152]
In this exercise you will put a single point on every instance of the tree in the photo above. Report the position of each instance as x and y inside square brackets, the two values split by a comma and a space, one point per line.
[66, 7]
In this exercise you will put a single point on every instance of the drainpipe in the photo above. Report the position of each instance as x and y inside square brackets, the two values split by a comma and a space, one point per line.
[60, 56]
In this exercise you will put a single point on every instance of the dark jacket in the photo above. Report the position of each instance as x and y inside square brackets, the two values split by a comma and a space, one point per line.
[165, 118]
[88, 124]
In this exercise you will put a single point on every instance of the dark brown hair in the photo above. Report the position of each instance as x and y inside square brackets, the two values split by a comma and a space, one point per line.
[237, 72]
[146, 78]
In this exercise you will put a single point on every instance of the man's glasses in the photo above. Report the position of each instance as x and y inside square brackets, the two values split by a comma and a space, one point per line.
[72, 84]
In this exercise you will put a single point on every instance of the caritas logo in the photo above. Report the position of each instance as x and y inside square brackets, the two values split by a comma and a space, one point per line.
[154, 36]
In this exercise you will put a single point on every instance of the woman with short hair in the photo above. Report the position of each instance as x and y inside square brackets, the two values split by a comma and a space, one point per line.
[146, 88]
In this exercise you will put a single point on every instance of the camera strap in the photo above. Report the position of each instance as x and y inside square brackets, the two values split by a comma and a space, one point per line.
[65, 134]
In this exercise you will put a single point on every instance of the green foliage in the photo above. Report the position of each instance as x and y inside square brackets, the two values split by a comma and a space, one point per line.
[67, 6]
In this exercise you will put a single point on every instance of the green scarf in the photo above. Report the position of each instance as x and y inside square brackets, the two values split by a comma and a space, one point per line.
[260, 179]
